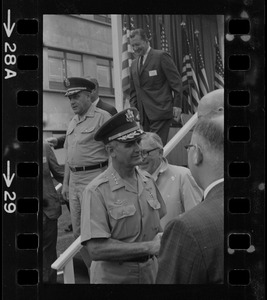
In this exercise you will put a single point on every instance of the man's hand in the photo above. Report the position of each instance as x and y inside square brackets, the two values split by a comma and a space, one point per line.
[177, 113]
[65, 192]
[156, 244]
[52, 141]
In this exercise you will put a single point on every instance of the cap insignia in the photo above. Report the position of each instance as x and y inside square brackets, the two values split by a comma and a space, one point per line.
[67, 82]
[129, 115]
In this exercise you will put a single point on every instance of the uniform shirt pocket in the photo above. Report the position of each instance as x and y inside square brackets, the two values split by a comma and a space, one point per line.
[87, 134]
[154, 203]
[151, 197]
[88, 130]
[70, 130]
[124, 224]
[120, 212]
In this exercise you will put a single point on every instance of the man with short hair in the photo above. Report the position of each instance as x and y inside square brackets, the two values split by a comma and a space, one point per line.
[155, 86]
[192, 246]
[213, 101]
[85, 157]
[121, 210]
[176, 184]
[58, 143]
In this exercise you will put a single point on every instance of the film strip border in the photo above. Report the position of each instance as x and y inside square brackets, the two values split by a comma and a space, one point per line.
[22, 167]
[21, 150]
[244, 212]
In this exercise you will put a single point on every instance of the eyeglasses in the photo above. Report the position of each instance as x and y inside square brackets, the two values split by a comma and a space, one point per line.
[145, 153]
[187, 147]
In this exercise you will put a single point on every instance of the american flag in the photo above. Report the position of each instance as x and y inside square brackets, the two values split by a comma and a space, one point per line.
[127, 54]
[201, 72]
[219, 76]
[163, 39]
[189, 80]
[148, 31]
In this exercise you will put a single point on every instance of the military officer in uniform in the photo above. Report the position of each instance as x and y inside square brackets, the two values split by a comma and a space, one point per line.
[85, 157]
[121, 211]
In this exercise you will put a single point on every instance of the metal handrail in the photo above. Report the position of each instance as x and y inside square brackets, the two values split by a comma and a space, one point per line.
[68, 254]
[64, 261]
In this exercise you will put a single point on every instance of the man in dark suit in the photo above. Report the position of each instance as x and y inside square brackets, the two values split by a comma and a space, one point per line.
[192, 244]
[58, 143]
[155, 86]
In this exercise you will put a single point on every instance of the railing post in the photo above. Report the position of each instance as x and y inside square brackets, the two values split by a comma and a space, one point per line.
[180, 135]
[68, 272]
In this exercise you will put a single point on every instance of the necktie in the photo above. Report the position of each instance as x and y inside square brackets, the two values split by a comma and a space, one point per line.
[141, 63]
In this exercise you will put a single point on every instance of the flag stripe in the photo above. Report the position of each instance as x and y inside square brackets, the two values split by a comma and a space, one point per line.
[201, 72]
[219, 72]
[189, 79]
[127, 54]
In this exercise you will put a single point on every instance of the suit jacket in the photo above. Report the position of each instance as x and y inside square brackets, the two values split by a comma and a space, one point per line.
[51, 200]
[101, 104]
[107, 107]
[192, 245]
[151, 91]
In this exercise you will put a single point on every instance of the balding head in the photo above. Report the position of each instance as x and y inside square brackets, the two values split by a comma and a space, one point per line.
[213, 101]
[206, 152]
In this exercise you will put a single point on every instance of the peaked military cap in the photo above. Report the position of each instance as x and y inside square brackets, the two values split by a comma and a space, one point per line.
[75, 85]
[121, 127]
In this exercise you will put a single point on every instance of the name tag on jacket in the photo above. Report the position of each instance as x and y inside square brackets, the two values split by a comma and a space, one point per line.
[153, 73]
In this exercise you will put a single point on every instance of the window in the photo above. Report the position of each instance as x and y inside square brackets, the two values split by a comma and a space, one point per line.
[61, 65]
[105, 75]
[103, 18]
[66, 64]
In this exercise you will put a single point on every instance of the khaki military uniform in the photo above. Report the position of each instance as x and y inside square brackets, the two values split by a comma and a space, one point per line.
[83, 150]
[114, 209]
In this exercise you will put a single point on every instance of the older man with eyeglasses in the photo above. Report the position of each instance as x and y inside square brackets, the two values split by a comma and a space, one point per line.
[176, 184]
[192, 246]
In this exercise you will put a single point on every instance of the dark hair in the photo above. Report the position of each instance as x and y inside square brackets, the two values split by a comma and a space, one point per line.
[211, 129]
[140, 32]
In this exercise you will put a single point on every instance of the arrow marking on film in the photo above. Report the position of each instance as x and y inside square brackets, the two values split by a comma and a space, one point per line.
[9, 29]
[7, 178]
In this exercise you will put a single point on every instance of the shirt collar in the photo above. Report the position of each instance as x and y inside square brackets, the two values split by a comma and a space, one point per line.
[89, 114]
[116, 182]
[211, 186]
[146, 54]
[161, 169]
[96, 102]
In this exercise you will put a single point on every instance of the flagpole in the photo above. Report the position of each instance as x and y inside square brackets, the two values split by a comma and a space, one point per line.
[116, 26]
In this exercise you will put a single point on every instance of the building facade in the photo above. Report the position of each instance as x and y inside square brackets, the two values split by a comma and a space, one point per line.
[74, 46]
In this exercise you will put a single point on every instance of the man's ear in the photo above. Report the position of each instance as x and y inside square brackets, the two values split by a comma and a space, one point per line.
[110, 150]
[161, 151]
[198, 156]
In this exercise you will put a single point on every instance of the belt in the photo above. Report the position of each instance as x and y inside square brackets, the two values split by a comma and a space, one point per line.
[140, 259]
[87, 168]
